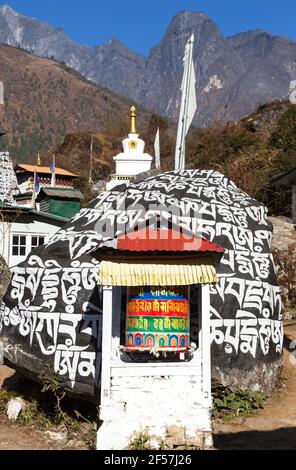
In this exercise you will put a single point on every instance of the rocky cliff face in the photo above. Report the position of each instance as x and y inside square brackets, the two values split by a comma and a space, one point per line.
[116, 67]
[234, 75]
[218, 69]
[41, 39]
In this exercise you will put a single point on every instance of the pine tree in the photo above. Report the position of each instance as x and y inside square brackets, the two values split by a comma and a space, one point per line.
[8, 181]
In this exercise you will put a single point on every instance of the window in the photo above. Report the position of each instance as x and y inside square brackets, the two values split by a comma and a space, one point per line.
[23, 244]
[37, 241]
[19, 245]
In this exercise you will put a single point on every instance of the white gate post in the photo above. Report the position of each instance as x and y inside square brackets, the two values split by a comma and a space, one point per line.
[206, 345]
[206, 365]
[106, 346]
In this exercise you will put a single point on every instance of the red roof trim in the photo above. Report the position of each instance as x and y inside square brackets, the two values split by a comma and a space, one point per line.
[165, 240]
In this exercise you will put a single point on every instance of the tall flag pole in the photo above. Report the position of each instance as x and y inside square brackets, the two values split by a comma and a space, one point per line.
[36, 189]
[188, 104]
[36, 186]
[91, 159]
[1, 94]
[157, 150]
[53, 172]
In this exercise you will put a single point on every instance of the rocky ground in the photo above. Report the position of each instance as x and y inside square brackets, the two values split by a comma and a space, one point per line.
[273, 427]
[32, 436]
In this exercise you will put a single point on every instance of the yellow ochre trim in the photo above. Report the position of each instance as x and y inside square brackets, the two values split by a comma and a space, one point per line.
[196, 271]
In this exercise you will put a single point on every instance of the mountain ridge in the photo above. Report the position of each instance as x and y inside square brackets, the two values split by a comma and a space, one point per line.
[45, 100]
[235, 74]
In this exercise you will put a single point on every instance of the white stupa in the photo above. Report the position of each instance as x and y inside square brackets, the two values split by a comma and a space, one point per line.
[132, 161]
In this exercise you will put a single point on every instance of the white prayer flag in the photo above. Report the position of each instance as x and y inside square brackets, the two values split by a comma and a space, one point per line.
[192, 102]
[157, 150]
[1, 93]
[188, 104]
[36, 190]
[91, 160]
[53, 172]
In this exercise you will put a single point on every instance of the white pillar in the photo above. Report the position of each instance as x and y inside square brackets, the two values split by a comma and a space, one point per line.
[106, 347]
[206, 365]
[205, 344]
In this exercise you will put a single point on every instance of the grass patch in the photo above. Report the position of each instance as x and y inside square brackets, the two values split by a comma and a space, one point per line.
[140, 442]
[228, 404]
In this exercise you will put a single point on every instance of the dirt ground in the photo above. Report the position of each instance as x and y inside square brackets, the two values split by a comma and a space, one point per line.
[14, 436]
[273, 427]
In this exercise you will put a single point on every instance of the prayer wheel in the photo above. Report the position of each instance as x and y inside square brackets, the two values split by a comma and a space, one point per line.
[158, 319]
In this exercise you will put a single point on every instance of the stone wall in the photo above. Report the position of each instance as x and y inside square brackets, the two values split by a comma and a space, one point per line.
[167, 409]
[284, 250]
[5, 276]
[284, 234]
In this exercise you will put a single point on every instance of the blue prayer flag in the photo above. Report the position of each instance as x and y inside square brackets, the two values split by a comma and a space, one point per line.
[52, 166]
[37, 186]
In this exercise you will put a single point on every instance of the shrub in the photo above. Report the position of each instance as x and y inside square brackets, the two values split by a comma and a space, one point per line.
[228, 404]
[140, 441]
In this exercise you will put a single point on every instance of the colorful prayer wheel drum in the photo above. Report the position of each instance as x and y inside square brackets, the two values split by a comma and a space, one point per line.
[158, 319]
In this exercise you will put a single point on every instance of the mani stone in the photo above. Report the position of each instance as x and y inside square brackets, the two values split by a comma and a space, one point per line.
[52, 311]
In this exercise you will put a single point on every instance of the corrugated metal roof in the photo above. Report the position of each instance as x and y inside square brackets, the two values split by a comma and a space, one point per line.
[45, 169]
[66, 193]
[47, 215]
[165, 240]
[199, 270]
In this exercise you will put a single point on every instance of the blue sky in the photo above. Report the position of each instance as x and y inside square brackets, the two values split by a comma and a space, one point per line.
[141, 24]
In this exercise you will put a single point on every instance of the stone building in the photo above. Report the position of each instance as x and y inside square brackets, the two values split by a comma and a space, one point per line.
[60, 197]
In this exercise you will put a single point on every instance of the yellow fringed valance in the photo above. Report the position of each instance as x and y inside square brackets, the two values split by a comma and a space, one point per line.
[195, 271]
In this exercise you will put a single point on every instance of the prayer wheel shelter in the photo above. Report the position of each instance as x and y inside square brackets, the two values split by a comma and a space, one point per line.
[156, 353]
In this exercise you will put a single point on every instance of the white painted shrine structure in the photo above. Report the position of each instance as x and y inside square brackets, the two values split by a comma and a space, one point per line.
[156, 380]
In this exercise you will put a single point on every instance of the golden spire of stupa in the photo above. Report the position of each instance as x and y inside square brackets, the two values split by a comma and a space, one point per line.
[38, 161]
[133, 120]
